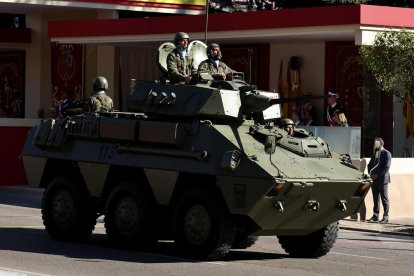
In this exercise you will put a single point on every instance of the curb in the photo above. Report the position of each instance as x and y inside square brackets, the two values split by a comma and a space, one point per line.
[377, 231]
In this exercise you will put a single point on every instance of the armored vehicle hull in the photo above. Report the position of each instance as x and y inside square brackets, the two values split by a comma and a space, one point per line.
[209, 185]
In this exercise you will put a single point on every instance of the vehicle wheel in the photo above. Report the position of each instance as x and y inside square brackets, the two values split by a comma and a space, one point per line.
[313, 245]
[67, 210]
[242, 241]
[128, 219]
[202, 227]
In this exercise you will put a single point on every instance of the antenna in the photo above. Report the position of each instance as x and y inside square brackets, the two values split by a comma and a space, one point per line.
[249, 57]
[206, 27]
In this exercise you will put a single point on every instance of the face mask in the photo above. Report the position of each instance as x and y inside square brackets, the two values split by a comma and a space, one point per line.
[377, 147]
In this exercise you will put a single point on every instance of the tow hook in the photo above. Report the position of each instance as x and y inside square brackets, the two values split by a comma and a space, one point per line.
[342, 205]
[312, 205]
[279, 206]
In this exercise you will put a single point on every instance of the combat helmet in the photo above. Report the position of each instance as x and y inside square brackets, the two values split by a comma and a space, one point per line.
[287, 121]
[100, 83]
[210, 47]
[180, 35]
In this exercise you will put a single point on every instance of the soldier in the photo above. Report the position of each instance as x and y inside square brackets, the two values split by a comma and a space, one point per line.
[333, 105]
[99, 101]
[218, 69]
[179, 62]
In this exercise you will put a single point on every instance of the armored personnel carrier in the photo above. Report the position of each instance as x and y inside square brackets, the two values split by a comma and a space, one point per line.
[185, 164]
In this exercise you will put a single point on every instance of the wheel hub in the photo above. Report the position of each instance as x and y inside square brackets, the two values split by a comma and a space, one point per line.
[63, 207]
[197, 224]
[126, 215]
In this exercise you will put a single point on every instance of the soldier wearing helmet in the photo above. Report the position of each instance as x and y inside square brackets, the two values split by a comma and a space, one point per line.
[100, 101]
[213, 65]
[289, 126]
[179, 62]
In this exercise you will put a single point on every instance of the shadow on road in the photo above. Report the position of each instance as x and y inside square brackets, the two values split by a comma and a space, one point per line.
[21, 196]
[98, 248]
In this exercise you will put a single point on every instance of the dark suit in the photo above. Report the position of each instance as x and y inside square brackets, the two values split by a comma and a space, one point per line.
[380, 167]
[330, 114]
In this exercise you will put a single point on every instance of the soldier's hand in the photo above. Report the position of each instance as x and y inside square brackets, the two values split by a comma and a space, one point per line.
[220, 76]
[187, 79]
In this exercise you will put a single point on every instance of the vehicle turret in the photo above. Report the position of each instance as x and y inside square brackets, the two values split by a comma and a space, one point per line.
[214, 100]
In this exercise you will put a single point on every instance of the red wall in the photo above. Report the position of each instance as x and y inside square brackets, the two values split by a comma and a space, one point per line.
[11, 144]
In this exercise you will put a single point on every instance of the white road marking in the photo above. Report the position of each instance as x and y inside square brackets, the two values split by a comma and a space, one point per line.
[216, 263]
[360, 256]
[14, 272]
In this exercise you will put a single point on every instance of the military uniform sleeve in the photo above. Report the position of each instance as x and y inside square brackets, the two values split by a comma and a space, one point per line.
[228, 72]
[94, 104]
[173, 72]
[203, 67]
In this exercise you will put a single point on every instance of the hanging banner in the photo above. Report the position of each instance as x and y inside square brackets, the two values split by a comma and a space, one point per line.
[67, 74]
[12, 84]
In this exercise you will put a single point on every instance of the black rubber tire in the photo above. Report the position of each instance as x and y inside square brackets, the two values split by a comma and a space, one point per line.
[68, 212]
[242, 241]
[313, 245]
[202, 227]
[128, 217]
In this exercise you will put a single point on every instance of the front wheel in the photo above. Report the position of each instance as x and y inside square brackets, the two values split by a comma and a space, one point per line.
[67, 209]
[314, 245]
[202, 227]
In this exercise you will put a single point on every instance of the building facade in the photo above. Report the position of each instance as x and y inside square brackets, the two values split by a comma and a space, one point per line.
[261, 44]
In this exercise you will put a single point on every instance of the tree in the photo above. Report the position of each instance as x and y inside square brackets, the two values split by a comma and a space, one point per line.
[390, 60]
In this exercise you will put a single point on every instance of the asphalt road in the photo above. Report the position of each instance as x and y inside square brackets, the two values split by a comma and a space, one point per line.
[26, 249]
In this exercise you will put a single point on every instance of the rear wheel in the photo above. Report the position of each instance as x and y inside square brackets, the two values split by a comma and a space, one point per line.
[313, 245]
[128, 220]
[202, 227]
[67, 209]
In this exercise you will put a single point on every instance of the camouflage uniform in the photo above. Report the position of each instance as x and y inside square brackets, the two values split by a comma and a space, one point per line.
[209, 66]
[178, 67]
[100, 102]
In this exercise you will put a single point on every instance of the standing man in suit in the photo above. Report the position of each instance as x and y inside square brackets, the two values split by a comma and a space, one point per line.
[378, 168]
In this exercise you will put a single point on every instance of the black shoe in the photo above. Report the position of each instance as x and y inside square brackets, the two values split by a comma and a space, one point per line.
[384, 220]
[373, 219]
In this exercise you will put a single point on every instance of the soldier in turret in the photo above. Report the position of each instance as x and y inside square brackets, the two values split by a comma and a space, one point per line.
[100, 101]
[218, 69]
[179, 62]
[289, 126]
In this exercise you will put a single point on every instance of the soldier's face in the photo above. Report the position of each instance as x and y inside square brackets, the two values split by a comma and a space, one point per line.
[183, 43]
[289, 129]
[331, 100]
[215, 52]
